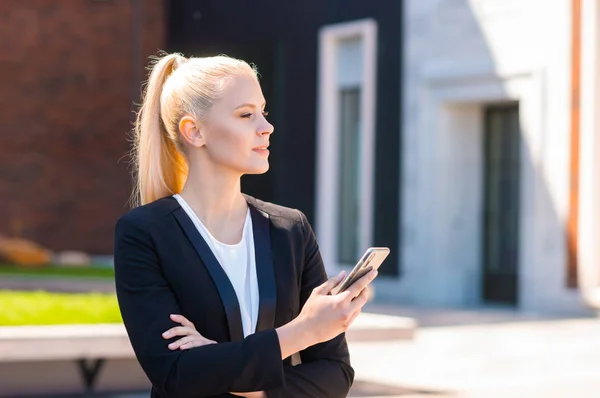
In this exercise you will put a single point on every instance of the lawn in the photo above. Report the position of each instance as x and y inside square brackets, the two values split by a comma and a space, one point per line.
[52, 271]
[44, 308]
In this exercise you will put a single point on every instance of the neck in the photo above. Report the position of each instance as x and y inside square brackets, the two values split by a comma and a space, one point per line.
[214, 195]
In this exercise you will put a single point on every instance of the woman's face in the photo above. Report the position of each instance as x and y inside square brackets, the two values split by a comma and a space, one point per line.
[235, 131]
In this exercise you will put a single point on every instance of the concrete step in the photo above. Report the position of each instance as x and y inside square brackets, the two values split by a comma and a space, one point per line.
[378, 327]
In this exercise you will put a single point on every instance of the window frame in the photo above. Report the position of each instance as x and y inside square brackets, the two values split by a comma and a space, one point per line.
[327, 168]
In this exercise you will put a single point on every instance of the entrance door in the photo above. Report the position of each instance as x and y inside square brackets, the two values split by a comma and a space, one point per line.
[501, 204]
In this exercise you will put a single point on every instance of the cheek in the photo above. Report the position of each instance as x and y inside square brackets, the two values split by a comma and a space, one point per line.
[229, 145]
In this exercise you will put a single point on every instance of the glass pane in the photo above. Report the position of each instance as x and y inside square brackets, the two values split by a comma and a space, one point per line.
[348, 199]
[350, 62]
[502, 191]
[494, 190]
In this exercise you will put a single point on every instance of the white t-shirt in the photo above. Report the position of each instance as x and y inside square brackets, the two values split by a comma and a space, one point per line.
[239, 263]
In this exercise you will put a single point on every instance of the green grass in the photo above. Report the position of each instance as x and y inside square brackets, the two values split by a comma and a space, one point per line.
[55, 271]
[43, 308]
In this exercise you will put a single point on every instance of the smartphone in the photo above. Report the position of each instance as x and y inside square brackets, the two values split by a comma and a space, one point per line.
[372, 259]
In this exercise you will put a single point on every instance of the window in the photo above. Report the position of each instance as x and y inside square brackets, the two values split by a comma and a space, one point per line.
[346, 131]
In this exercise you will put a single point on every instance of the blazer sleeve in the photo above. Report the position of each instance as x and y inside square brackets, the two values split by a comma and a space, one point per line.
[146, 300]
[325, 371]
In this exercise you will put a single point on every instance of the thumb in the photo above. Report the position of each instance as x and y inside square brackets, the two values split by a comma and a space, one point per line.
[332, 282]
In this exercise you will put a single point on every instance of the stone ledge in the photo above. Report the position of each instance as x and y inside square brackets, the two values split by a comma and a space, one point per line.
[64, 342]
[110, 341]
[99, 358]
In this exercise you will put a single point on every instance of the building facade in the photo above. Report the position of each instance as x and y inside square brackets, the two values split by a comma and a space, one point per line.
[445, 129]
[462, 134]
[490, 156]
[330, 72]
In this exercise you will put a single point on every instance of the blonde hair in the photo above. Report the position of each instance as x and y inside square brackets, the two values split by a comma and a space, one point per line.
[176, 86]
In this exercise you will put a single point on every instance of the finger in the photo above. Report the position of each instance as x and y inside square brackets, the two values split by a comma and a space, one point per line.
[196, 343]
[179, 331]
[357, 287]
[196, 340]
[183, 320]
[326, 287]
[176, 344]
[359, 301]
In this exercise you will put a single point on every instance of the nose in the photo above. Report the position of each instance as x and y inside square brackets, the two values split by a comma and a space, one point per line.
[265, 128]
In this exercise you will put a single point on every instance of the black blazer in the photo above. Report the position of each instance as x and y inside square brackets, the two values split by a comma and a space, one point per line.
[163, 266]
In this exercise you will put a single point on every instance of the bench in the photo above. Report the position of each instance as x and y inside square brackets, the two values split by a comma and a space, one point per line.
[91, 346]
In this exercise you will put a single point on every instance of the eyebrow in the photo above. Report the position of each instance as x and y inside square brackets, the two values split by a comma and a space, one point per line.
[249, 105]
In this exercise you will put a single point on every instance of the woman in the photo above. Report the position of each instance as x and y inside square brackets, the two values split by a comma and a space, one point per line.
[218, 289]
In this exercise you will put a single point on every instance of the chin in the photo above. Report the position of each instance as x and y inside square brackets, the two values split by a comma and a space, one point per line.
[262, 169]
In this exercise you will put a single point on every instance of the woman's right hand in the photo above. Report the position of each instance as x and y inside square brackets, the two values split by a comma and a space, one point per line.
[326, 316]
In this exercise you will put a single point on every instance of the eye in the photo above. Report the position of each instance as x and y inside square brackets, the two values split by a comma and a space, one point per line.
[249, 115]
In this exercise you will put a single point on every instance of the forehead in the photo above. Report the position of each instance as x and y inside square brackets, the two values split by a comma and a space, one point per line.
[240, 89]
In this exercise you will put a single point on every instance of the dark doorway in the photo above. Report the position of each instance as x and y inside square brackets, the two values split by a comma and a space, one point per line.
[501, 204]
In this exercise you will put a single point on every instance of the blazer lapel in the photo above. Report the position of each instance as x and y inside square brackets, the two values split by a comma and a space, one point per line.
[264, 269]
[224, 286]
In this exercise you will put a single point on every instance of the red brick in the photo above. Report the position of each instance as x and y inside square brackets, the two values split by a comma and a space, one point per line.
[69, 79]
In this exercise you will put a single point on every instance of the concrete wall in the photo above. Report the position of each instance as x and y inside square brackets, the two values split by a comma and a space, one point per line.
[460, 55]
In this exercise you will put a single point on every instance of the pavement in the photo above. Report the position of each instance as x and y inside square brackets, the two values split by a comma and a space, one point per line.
[486, 353]
[478, 353]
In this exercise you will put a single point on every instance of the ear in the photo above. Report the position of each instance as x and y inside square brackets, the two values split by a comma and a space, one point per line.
[191, 131]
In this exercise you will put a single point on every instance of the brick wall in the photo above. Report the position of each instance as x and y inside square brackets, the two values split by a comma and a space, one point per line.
[69, 72]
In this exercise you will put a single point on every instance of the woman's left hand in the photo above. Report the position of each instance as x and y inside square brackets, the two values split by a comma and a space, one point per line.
[258, 394]
[191, 337]
[194, 339]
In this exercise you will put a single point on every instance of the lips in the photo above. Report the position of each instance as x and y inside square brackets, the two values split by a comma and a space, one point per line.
[262, 150]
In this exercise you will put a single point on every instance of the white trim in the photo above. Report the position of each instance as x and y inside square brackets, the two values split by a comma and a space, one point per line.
[589, 174]
[327, 134]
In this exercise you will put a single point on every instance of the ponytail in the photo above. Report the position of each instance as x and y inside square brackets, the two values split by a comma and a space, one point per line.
[160, 167]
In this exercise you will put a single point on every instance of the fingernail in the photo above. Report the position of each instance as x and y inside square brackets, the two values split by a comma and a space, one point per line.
[165, 334]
